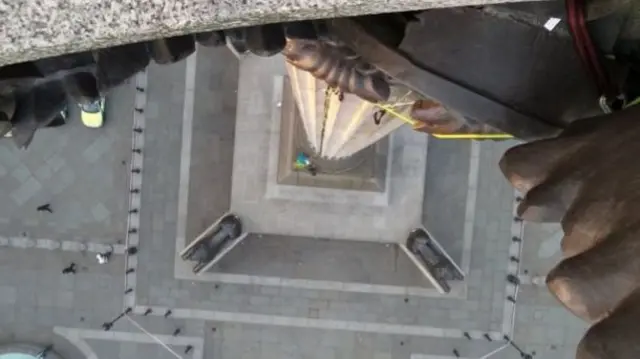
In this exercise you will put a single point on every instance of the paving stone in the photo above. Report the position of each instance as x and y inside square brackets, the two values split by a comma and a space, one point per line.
[99, 212]
[27, 190]
[62, 176]
[21, 173]
[8, 295]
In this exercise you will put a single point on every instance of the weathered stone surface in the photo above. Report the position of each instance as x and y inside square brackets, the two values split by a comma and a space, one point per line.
[53, 27]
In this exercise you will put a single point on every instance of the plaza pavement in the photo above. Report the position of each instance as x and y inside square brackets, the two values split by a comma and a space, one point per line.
[277, 303]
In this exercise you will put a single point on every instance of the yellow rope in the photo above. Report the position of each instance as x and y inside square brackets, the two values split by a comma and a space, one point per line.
[402, 117]
[452, 136]
[471, 136]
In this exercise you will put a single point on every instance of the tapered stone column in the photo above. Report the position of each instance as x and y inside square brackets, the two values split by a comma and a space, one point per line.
[340, 124]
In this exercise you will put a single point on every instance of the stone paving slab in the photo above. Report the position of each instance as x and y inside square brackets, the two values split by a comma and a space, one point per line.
[35, 295]
[445, 193]
[542, 322]
[543, 325]
[96, 344]
[68, 246]
[160, 326]
[214, 117]
[81, 172]
[317, 259]
[159, 193]
[257, 341]
[125, 350]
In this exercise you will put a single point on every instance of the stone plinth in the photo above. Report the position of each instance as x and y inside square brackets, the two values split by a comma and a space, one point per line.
[266, 206]
[363, 171]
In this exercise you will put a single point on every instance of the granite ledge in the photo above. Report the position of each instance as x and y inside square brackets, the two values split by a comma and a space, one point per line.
[33, 29]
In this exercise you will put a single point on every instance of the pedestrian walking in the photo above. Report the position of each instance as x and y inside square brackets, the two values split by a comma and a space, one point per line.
[45, 208]
[104, 256]
[71, 269]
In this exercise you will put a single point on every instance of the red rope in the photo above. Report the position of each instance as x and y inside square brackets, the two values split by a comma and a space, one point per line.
[585, 48]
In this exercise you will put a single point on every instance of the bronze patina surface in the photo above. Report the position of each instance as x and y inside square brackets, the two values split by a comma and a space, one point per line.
[587, 179]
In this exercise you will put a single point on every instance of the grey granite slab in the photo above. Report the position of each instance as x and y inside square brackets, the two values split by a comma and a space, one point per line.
[33, 29]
